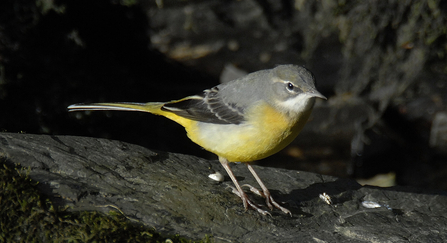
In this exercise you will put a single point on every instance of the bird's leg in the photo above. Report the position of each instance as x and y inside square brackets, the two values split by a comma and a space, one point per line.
[266, 193]
[245, 200]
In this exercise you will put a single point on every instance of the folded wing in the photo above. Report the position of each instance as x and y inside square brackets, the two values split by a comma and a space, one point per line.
[207, 107]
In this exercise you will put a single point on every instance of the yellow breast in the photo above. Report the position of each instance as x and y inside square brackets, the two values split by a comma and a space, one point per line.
[266, 132]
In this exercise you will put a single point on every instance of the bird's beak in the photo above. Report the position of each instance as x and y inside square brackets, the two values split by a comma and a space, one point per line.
[315, 93]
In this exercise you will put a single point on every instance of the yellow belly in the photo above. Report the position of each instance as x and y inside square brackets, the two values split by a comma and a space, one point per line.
[265, 133]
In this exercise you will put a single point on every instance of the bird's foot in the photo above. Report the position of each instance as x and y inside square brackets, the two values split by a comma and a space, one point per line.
[268, 199]
[248, 203]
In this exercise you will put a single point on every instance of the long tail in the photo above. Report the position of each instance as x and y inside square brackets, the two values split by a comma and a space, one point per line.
[151, 107]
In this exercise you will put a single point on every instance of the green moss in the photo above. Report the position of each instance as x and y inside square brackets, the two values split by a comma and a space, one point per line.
[28, 216]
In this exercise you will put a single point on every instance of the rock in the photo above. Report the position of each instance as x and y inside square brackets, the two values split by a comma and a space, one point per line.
[172, 193]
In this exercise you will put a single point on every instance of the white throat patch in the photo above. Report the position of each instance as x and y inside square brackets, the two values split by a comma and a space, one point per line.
[298, 104]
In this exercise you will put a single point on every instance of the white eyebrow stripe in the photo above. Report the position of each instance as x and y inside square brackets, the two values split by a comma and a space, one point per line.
[278, 80]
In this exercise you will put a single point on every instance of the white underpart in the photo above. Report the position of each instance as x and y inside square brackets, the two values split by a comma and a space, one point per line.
[298, 104]
[223, 137]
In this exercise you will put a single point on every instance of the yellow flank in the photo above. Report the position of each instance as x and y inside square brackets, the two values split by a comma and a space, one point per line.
[266, 132]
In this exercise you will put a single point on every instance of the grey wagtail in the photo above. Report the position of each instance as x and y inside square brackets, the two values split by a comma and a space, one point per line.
[247, 119]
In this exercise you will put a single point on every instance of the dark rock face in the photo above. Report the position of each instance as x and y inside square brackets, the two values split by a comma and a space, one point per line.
[172, 193]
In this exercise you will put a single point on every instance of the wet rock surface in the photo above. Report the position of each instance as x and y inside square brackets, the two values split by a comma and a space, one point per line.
[173, 194]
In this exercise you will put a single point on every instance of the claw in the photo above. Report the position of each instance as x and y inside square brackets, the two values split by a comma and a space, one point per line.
[245, 200]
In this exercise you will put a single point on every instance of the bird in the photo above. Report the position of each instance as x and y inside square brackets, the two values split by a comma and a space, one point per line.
[243, 120]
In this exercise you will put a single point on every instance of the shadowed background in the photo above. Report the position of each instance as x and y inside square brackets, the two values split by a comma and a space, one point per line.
[381, 64]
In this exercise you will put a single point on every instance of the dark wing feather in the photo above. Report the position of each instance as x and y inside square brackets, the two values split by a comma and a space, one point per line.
[207, 107]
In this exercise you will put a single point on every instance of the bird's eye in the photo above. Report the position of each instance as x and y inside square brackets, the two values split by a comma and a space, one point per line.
[290, 86]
